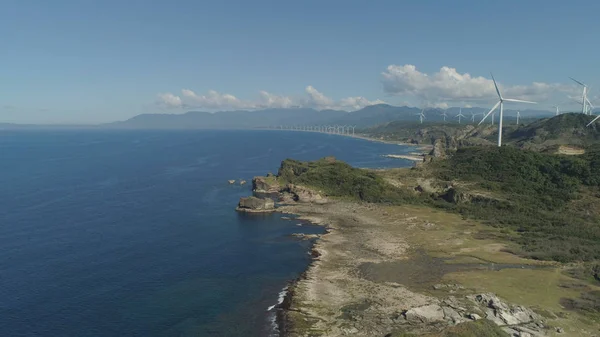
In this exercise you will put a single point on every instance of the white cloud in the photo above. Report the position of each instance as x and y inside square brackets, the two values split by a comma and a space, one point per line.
[214, 100]
[449, 84]
[358, 102]
[438, 105]
[316, 98]
[169, 100]
[269, 100]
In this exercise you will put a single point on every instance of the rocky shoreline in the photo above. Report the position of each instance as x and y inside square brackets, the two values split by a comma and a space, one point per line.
[367, 279]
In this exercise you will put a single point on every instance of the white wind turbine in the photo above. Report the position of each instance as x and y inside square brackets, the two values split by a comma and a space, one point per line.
[460, 115]
[501, 104]
[518, 116]
[584, 99]
[444, 114]
[590, 106]
[421, 115]
[557, 111]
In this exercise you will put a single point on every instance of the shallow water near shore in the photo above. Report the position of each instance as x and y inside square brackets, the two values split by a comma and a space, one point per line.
[134, 233]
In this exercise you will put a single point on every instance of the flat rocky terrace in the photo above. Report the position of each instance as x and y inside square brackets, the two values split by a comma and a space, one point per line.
[389, 270]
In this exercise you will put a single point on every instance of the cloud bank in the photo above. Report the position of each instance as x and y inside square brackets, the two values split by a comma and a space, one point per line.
[214, 100]
[450, 85]
[442, 89]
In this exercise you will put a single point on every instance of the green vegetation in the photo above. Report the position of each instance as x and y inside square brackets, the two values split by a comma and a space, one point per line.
[564, 129]
[551, 202]
[480, 328]
[339, 179]
[414, 132]
[534, 194]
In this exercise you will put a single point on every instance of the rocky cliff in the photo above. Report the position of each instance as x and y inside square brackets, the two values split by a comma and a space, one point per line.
[254, 204]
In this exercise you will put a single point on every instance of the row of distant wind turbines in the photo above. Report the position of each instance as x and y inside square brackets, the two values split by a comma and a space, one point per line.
[586, 108]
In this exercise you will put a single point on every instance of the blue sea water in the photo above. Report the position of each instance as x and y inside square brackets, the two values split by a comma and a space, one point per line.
[134, 233]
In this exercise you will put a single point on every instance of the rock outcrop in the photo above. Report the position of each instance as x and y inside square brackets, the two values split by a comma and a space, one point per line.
[502, 313]
[254, 204]
[439, 148]
[303, 194]
[263, 186]
[425, 314]
[514, 319]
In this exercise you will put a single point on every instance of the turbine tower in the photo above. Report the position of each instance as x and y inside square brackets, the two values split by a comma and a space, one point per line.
[584, 99]
[444, 114]
[460, 115]
[518, 116]
[557, 111]
[501, 104]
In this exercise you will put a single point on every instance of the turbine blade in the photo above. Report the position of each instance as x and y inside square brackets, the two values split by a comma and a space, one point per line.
[518, 101]
[576, 81]
[489, 113]
[590, 103]
[593, 120]
[495, 85]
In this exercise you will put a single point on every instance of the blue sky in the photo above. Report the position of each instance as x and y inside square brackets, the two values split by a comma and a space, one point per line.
[83, 61]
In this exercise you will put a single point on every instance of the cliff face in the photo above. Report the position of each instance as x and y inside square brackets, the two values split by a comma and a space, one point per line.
[265, 184]
[303, 194]
[254, 204]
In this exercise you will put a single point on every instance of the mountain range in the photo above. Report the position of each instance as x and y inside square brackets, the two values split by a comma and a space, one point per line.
[269, 118]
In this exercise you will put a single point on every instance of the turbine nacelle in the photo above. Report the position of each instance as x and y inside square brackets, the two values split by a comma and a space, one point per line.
[500, 104]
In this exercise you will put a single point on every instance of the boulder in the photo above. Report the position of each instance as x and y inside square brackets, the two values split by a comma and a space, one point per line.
[253, 204]
[425, 314]
[503, 313]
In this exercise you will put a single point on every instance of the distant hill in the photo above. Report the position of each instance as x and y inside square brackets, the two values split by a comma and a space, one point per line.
[229, 119]
[548, 134]
[275, 118]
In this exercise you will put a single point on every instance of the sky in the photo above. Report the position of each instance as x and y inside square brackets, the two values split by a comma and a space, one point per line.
[85, 62]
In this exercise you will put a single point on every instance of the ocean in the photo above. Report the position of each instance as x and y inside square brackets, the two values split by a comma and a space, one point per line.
[134, 233]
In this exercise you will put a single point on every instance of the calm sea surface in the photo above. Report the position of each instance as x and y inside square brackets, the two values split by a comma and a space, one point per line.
[134, 233]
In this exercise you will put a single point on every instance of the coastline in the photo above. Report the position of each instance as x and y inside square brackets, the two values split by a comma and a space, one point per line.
[422, 148]
[376, 264]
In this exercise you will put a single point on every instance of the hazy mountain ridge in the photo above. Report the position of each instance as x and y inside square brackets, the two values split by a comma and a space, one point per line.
[273, 118]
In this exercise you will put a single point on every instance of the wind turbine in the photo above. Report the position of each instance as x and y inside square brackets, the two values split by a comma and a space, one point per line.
[460, 115]
[501, 104]
[590, 107]
[557, 111]
[518, 116]
[421, 115]
[444, 114]
[584, 99]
